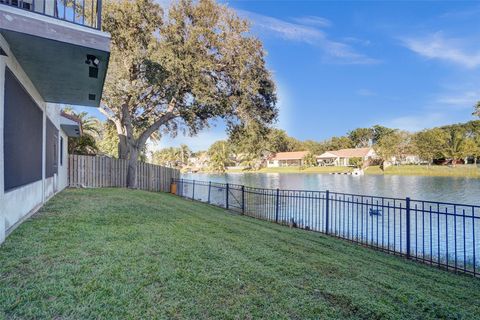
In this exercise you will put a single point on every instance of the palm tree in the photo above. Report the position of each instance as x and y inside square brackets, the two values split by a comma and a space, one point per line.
[185, 153]
[219, 153]
[87, 142]
[455, 145]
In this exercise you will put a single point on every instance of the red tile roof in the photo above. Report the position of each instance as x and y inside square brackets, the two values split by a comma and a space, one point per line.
[349, 153]
[295, 155]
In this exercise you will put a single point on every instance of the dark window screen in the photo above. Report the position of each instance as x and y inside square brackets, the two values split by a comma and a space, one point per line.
[51, 149]
[22, 135]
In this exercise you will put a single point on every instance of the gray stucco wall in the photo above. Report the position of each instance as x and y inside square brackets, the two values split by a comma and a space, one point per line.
[19, 203]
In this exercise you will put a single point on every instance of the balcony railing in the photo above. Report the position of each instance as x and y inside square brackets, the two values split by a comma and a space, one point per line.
[82, 12]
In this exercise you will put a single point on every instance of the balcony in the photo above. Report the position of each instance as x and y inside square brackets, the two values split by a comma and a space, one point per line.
[87, 13]
[59, 45]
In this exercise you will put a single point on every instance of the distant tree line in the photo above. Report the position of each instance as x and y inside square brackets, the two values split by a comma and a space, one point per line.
[249, 147]
[451, 144]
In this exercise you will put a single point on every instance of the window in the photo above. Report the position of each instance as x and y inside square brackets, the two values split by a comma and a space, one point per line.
[23, 124]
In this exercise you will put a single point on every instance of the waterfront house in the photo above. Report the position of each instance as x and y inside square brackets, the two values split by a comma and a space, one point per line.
[342, 157]
[50, 54]
[198, 162]
[287, 159]
[406, 159]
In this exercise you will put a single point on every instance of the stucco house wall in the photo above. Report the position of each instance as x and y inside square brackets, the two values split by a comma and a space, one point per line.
[17, 204]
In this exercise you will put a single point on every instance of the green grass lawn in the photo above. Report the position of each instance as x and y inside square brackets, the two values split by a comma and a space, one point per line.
[123, 254]
[298, 170]
[469, 171]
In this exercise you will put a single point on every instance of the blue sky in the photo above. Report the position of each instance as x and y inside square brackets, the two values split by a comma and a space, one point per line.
[342, 65]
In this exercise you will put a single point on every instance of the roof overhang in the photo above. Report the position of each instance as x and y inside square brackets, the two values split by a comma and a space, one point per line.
[327, 155]
[281, 159]
[71, 127]
[53, 53]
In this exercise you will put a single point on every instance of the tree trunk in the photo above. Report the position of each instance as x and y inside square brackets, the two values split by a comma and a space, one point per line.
[132, 168]
[122, 147]
[129, 147]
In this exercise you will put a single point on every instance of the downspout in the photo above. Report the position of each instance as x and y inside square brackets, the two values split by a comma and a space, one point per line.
[2, 186]
[44, 139]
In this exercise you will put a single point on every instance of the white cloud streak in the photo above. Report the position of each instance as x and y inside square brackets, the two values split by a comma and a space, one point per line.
[438, 46]
[303, 31]
[460, 100]
[418, 122]
[314, 21]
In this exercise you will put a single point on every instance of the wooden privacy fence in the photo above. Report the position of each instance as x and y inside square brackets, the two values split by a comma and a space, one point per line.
[100, 171]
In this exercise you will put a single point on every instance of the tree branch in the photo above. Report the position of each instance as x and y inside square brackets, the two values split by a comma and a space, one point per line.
[166, 117]
[107, 112]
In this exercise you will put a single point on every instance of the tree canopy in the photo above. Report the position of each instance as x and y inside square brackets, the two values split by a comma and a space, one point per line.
[361, 137]
[429, 143]
[180, 70]
[219, 154]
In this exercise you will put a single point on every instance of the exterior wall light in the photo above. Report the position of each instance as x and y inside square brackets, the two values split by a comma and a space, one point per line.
[91, 59]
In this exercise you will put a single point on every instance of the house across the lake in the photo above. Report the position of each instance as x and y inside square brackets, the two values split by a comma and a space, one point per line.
[342, 157]
[287, 159]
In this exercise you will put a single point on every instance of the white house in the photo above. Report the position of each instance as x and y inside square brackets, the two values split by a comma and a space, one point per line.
[407, 159]
[287, 159]
[342, 157]
[48, 56]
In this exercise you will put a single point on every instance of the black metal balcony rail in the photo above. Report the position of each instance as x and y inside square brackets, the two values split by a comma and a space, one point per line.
[86, 13]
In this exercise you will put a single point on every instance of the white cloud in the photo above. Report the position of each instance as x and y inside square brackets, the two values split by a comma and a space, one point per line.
[313, 21]
[418, 122]
[358, 41]
[463, 100]
[286, 30]
[438, 46]
[335, 51]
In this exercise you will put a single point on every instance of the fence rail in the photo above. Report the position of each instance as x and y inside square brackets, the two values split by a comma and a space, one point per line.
[97, 172]
[442, 234]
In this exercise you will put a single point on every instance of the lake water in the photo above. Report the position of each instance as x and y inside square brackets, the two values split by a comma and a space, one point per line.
[445, 189]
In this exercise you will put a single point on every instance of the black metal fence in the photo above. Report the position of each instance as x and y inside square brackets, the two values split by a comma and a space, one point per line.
[446, 235]
[83, 12]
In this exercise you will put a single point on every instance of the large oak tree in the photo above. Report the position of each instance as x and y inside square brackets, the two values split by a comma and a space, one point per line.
[179, 70]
